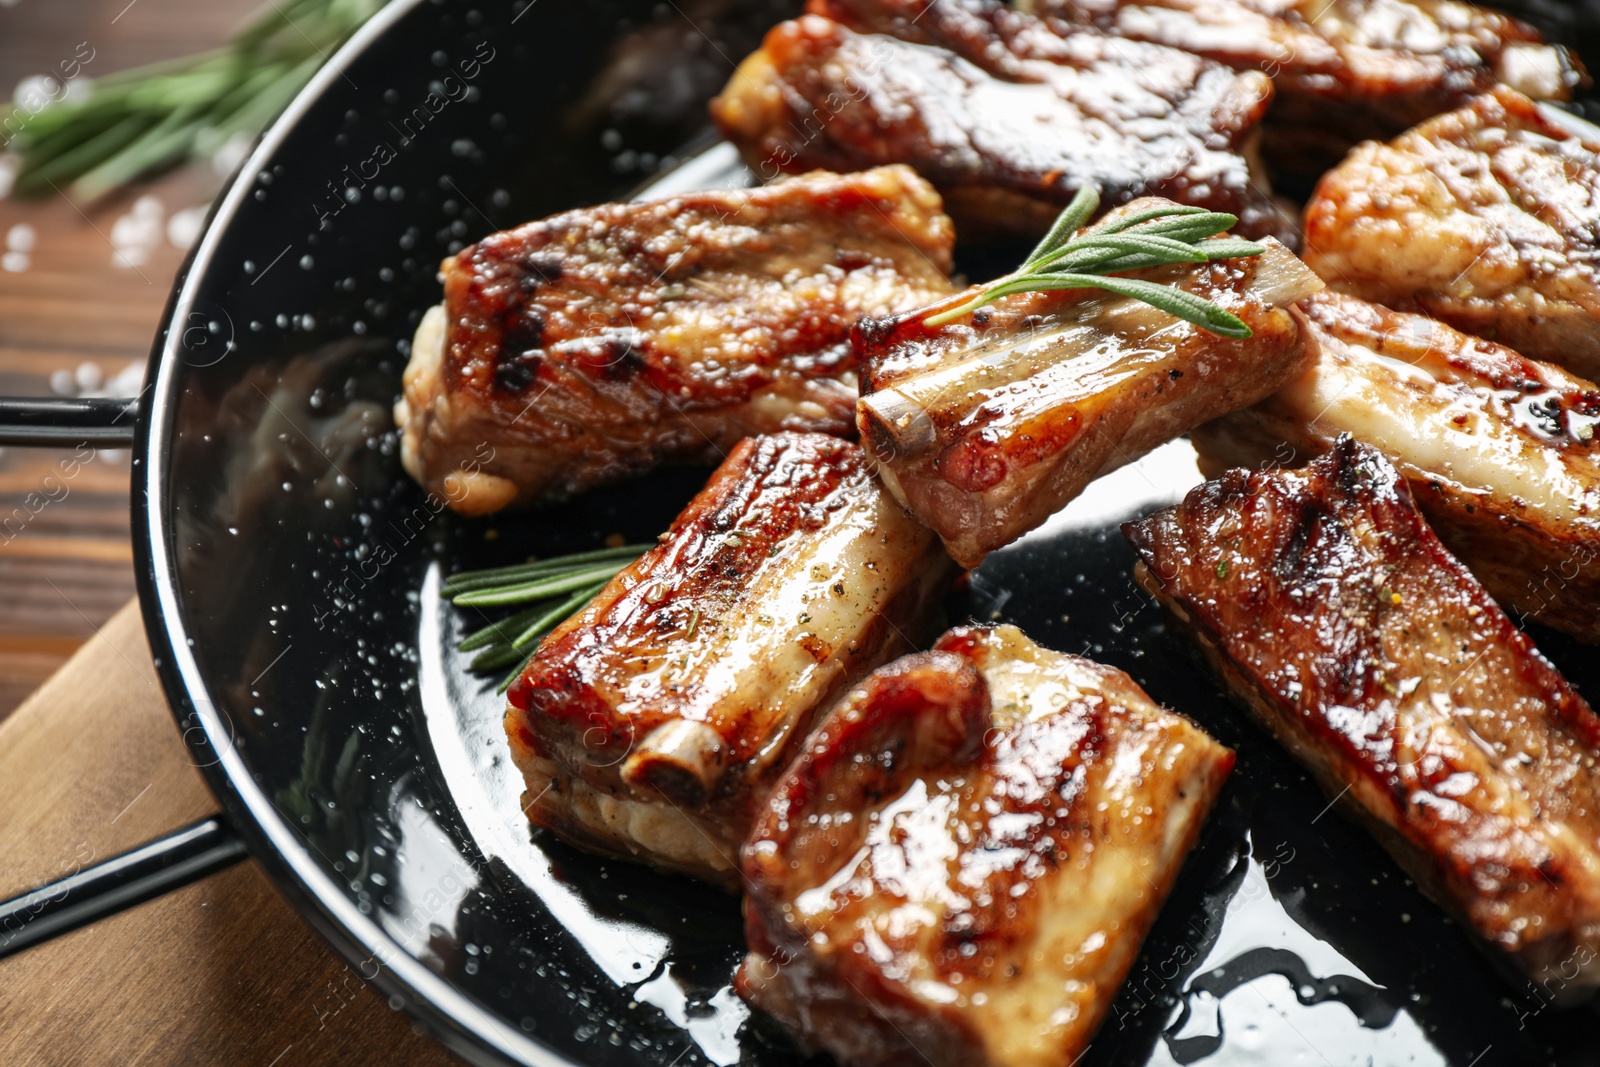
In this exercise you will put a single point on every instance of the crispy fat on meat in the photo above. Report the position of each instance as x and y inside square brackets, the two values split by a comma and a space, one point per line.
[1345, 70]
[960, 867]
[1485, 217]
[1332, 612]
[602, 342]
[650, 725]
[985, 428]
[1499, 451]
[1007, 115]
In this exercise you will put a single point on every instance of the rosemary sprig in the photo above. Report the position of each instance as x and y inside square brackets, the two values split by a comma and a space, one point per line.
[1156, 237]
[556, 588]
[139, 121]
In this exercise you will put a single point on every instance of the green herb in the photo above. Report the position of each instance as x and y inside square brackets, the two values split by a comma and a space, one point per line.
[556, 589]
[152, 117]
[1156, 237]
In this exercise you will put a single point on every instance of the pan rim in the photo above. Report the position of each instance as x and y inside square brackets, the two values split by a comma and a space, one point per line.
[449, 1015]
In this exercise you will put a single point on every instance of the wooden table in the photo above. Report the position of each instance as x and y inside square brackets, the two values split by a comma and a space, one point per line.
[223, 972]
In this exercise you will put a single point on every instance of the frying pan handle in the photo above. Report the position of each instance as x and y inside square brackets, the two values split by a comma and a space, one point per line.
[167, 863]
[99, 422]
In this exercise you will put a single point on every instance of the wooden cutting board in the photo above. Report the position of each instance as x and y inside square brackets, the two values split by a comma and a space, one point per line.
[221, 972]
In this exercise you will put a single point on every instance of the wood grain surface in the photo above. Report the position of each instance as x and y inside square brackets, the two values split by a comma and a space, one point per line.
[223, 972]
[82, 286]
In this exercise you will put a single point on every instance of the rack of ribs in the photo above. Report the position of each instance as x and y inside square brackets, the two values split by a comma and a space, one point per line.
[651, 724]
[602, 342]
[959, 868]
[986, 427]
[1335, 615]
[1485, 217]
[1499, 451]
[1008, 115]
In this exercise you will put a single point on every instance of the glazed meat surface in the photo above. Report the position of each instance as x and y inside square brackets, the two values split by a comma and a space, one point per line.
[1332, 611]
[960, 867]
[1499, 451]
[599, 343]
[1485, 217]
[984, 428]
[651, 724]
[1007, 114]
[1345, 70]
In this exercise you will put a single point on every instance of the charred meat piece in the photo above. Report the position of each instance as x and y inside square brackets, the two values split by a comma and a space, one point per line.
[1485, 217]
[1006, 115]
[960, 867]
[1345, 70]
[651, 725]
[985, 428]
[1499, 451]
[599, 343]
[1333, 613]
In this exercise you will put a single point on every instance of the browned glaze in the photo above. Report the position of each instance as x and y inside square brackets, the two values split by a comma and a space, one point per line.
[961, 865]
[1007, 114]
[1485, 217]
[1499, 450]
[1345, 70]
[652, 723]
[601, 342]
[1333, 612]
[984, 428]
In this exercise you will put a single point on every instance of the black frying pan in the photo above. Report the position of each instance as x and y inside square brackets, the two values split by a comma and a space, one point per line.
[289, 574]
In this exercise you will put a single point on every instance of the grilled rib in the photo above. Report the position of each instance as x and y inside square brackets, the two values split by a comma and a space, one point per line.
[1345, 70]
[960, 867]
[650, 725]
[1332, 612]
[986, 428]
[1499, 451]
[1484, 217]
[604, 341]
[1007, 115]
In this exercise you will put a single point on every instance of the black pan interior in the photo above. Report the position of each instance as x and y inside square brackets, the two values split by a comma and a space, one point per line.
[291, 578]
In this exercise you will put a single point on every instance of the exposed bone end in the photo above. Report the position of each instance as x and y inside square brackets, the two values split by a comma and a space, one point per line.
[1281, 278]
[1537, 71]
[752, 102]
[894, 425]
[478, 492]
[681, 760]
[421, 382]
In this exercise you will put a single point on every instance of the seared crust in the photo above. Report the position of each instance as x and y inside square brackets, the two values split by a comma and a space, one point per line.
[1484, 217]
[987, 427]
[1333, 612]
[1500, 451]
[961, 865]
[1006, 114]
[1346, 70]
[651, 724]
[601, 342]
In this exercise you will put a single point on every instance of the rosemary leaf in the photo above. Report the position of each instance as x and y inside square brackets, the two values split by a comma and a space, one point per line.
[542, 625]
[467, 581]
[1179, 303]
[136, 122]
[539, 589]
[522, 665]
[494, 657]
[500, 632]
[558, 588]
[1078, 212]
[1231, 248]
[1166, 211]
[1154, 237]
